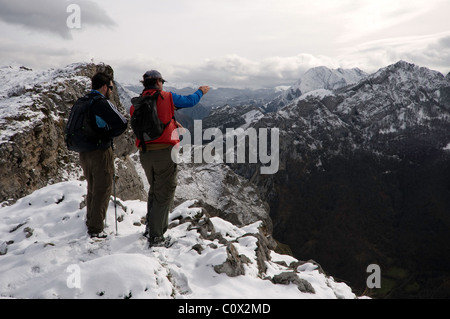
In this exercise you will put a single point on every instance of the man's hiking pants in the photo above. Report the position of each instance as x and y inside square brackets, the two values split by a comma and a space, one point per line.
[98, 168]
[161, 174]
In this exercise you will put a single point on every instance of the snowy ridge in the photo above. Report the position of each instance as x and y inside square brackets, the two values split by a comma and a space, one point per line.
[34, 108]
[325, 78]
[46, 253]
[21, 95]
[379, 108]
[318, 78]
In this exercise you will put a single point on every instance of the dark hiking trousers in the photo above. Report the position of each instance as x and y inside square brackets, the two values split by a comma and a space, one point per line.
[98, 168]
[161, 174]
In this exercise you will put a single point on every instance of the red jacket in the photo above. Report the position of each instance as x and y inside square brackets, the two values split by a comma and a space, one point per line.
[166, 113]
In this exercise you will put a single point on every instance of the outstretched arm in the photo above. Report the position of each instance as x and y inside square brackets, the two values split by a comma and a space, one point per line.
[183, 101]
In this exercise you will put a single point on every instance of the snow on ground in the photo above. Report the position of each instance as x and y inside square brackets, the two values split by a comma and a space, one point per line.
[45, 252]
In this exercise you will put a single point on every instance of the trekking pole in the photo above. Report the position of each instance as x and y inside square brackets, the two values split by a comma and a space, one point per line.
[115, 199]
[114, 193]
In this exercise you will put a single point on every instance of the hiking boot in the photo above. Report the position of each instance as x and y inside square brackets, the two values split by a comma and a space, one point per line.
[146, 233]
[160, 242]
[102, 234]
[156, 241]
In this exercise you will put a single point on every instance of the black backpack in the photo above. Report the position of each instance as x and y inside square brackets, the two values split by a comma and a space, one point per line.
[82, 133]
[145, 121]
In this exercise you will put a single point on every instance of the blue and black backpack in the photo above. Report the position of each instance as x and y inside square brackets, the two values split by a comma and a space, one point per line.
[82, 133]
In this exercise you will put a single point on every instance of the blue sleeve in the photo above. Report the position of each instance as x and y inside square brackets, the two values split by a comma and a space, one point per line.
[182, 101]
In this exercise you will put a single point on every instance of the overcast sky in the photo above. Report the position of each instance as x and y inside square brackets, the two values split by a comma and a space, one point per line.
[240, 43]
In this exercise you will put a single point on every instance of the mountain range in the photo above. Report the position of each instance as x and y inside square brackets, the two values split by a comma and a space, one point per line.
[363, 179]
[220, 234]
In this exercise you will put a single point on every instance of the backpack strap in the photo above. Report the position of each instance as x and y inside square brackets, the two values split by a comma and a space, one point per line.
[91, 115]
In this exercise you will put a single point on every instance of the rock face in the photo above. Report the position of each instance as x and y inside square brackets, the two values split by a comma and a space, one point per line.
[225, 193]
[232, 117]
[34, 110]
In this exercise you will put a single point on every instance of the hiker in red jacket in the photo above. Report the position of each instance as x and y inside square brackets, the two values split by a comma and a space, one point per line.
[155, 155]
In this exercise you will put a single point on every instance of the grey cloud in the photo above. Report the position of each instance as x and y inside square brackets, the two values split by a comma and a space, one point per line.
[444, 42]
[37, 57]
[51, 15]
[236, 71]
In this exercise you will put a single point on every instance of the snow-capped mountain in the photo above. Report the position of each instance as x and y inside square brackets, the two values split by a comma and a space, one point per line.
[221, 243]
[217, 97]
[391, 101]
[315, 79]
[407, 97]
[328, 79]
[319, 82]
[363, 178]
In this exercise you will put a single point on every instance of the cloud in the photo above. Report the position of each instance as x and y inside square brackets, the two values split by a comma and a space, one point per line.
[371, 17]
[51, 15]
[37, 56]
[431, 51]
[226, 71]
[269, 72]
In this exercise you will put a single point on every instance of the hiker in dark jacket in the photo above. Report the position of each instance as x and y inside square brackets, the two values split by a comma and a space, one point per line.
[156, 157]
[95, 147]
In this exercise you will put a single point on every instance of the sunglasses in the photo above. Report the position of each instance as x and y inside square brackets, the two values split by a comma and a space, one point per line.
[110, 87]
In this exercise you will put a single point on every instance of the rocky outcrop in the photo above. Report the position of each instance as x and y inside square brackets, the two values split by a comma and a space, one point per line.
[239, 263]
[286, 278]
[32, 148]
[223, 192]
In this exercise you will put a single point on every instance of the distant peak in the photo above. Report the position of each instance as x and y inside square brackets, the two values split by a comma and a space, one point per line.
[404, 65]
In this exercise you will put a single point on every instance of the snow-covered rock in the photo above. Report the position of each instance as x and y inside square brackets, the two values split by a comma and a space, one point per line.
[34, 108]
[46, 253]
